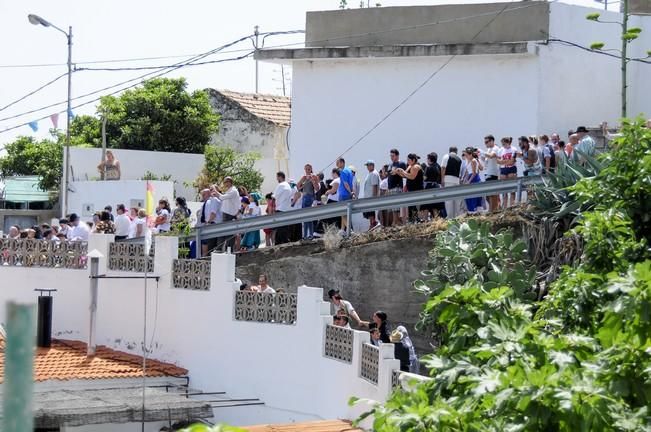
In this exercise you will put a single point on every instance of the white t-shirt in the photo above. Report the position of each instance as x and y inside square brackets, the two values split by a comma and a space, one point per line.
[334, 184]
[79, 232]
[283, 196]
[269, 290]
[506, 154]
[384, 184]
[122, 225]
[490, 164]
[166, 225]
[372, 179]
[140, 222]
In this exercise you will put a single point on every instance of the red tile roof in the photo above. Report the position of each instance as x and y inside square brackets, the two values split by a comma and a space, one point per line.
[276, 109]
[317, 426]
[67, 360]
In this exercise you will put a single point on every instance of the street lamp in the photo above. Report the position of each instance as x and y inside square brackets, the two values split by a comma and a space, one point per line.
[37, 20]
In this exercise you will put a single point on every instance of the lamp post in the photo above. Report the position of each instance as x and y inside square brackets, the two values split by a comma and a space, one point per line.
[37, 20]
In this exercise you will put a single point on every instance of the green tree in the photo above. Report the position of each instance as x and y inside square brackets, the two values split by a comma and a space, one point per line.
[160, 115]
[26, 156]
[85, 131]
[226, 162]
[578, 360]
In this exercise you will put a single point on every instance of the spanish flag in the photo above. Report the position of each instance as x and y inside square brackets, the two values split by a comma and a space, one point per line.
[149, 200]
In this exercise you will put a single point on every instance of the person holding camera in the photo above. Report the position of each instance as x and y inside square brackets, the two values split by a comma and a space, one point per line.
[344, 307]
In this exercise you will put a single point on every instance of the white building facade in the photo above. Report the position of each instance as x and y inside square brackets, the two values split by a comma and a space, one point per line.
[506, 69]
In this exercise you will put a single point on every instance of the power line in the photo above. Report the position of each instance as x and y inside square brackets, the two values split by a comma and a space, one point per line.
[417, 89]
[115, 92]
[618, 57]
[33, 91]
[172, 68]
[128, 60]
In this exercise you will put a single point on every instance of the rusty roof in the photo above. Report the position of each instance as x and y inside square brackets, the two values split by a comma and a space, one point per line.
[315, 426]
[67, 360]
[275, 109]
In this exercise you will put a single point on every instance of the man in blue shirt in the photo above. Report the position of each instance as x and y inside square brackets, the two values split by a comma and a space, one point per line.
[345, 190]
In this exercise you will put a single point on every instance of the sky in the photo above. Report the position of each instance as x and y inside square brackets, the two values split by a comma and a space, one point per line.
[122, 29]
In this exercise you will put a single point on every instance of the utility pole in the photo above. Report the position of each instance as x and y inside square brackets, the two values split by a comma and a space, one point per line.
[282, 76]
[256, 32]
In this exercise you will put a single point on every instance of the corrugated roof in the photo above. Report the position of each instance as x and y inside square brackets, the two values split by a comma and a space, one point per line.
[67, 360]
[316, 426]
[23, 189]
[276, 109]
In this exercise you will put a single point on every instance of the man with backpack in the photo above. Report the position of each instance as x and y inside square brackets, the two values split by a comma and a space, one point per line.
[546, 154]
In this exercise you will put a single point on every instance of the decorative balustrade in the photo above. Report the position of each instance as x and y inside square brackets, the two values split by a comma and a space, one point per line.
[269, 308]
[395, 378]
[129, 257]
[339, 343]
[43, 253]
[191, 274]
[370, 363]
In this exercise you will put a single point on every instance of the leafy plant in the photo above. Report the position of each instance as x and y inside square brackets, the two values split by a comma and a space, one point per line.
[217, 428]
[153, 177]
[222, 161]
[27, 156]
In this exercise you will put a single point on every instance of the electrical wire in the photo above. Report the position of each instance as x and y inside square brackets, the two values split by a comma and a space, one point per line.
[127, 60]
[416, 90]
[113, 93]
[189, 62]
[49, 83]
[602, 52]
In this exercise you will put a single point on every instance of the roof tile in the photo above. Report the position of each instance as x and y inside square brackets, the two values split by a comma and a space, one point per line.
[67, 360]
[276, 109]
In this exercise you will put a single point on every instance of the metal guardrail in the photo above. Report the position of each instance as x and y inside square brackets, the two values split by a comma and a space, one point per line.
[348, 208]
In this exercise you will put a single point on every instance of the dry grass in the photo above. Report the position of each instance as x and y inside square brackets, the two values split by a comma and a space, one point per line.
[331, 238]
[510, 217]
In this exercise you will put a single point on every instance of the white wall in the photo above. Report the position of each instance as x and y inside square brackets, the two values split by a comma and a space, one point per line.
[336, 102]
[578, 87]
[270, 142]
[99, 194]
[183, 167]
[283, 365]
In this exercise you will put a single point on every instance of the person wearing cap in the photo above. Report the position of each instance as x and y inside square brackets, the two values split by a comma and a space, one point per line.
[586, 144]
[346, 308]
[79, 230]
[308, 185]
[401, 352]
[371, 189]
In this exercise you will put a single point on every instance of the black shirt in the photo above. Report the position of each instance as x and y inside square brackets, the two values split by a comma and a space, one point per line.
[394, 180]
[433, 173]
[453, 168]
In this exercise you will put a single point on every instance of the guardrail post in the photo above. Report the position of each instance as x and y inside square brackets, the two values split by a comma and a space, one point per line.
[197, 243]
[518, 193]
[349, 216]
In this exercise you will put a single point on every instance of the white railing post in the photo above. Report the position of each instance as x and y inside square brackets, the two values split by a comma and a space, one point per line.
[100, 243]
[387, 364]
[166, 251]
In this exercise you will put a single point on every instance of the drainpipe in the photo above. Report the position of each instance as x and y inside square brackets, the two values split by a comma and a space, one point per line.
[94, 282]
[44, 319]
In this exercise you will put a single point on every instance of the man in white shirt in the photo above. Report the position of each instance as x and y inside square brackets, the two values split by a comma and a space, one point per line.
[208, 216]
[586, 144]
[491, 169]
[80, 229]
[451, 165]
[122, 223]
[14, 233]
[283, 197]
[371, 189]
[230, 206]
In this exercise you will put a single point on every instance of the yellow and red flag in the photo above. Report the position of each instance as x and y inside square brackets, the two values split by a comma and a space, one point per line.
[149, 200]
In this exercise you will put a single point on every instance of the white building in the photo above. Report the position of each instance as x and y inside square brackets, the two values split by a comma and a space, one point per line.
[506, 69]
[256, 358]
[251, 122]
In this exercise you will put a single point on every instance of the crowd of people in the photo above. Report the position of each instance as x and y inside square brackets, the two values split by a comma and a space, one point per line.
[497, 160]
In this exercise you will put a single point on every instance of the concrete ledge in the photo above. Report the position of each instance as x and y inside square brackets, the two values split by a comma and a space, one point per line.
[325, 53]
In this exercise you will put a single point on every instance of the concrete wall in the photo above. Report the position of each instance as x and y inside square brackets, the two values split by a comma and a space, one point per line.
[245, 132]
[571, 77]
[88, 197]
[283, 365]
[336, 102]
[520, 21]
[183, 167]
[374, 276]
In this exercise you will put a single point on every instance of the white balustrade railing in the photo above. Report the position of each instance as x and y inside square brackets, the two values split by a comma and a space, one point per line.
[191, 274]
[369, 369]
[43, 253]
[268, 308]
[129, 257]
[339, 343]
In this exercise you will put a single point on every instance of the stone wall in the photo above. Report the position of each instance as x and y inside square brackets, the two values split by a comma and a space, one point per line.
[373, 276]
